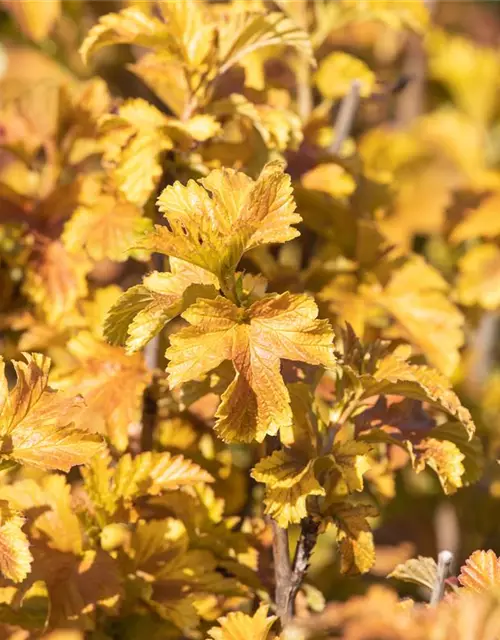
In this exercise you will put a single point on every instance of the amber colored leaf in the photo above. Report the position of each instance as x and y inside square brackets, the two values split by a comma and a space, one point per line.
[421, 571]
[417, 296]
[354, 536]
[351, 460]
[289, 482]
[91, 581]
[39, 426]
[133, 140]
[130, 26]
[481, 571]
[214, 221]
[146, 474]
[106, 227]
[277, 327]
[479, 277]
[15, 555]
[51, 500]
[240, 626]
[142, 311]
[245, 33]
[445, 458]
[34, 18]
[111, 382]
[470, 448]
[56, 279]
[395, 376]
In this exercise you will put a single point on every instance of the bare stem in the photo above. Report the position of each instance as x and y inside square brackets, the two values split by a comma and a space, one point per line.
[445, 558]
[288, 576]
[345, 116]
[282, 573]
[305, 546]
[304, 93]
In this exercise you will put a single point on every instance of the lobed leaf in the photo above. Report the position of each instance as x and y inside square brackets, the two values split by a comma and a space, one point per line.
[213, 222]
[240, 626]
[143, 310]
[256, 402]
[480, 572]
[15, 555]
[39, 426]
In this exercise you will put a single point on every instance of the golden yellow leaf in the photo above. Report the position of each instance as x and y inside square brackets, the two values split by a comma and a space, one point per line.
[131, 26]
[244, 33]
[147, 474]
[56, 279]
[445, 458]
[481, 222]
[106, 227]
[478, 281]
[51, 497]
[239, 626]
[256, 402]
[281, 469]
[468, 71]
[351, 460]
[39, 426]
[481, 571]
[230, 213]
[416, 296]
[192, 30]
[331, 178]
[395, 376]
[289, 482]
[98, 307]
[413, 14]
[356, 547]
[142, 311]
[133, 140]
[337, 72]
[111, 382]
[34, 18]
[15, 555]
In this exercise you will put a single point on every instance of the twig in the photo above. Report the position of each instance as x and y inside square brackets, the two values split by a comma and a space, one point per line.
[289, 577]
[411, 102]
[304, 93]
[345, 116]
[445, 558]
[447, 527]
[303, 551]
[282, 573]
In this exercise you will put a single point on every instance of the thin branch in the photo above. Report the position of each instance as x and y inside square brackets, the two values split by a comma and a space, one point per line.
[345, 116]
[304, 92]
[282, 573]
[445, 558]
[303, 551]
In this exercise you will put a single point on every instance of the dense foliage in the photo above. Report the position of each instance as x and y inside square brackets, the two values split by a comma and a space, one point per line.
[250, 275]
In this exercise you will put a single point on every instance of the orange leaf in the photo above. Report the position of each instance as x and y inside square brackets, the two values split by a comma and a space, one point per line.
[481, 571]
[276, 327]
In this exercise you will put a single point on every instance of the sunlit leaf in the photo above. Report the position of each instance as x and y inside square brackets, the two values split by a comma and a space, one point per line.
[39, 426]
[256, 402]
